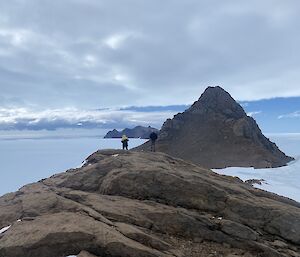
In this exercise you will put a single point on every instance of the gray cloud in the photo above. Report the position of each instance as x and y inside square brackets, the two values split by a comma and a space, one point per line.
[52, 119]
[91, 53]
[254, 113]
[295, 114]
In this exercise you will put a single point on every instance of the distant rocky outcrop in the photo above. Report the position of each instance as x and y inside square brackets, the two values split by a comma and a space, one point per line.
[142, 204]
[215, 132]
[136, 132]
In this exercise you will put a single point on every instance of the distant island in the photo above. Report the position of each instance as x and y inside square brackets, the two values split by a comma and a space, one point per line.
[136, 132]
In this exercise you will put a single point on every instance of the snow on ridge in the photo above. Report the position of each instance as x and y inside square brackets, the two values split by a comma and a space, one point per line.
[82, 164]
[2, 230]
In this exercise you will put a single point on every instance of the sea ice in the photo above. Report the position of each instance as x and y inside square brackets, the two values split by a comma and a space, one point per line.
[282, 181]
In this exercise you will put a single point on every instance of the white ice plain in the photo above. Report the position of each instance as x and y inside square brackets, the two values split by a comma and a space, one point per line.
[283, 181]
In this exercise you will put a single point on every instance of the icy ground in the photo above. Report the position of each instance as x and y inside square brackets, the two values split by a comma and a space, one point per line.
[282, 181]
[33, 157]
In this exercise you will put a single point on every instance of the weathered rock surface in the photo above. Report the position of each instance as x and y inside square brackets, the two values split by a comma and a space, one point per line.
[136, 132]
[86, 254]
[143, 204]
[215, 132]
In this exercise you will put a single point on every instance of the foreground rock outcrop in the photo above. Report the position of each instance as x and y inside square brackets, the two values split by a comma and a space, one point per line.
[136, 132]
[143, 204]
[215, 132]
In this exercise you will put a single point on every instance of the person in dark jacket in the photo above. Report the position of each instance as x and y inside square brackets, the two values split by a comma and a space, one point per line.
[125, 142]
[153, 138]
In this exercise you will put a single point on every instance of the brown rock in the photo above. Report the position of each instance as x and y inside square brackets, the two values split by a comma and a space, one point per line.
[146, 204]
[66, 233]
[139, 236]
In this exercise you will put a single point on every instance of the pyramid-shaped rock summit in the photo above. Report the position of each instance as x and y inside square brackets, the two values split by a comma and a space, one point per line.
[215, 132]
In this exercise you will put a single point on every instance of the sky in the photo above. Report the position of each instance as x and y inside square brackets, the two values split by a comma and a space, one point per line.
[73, 62]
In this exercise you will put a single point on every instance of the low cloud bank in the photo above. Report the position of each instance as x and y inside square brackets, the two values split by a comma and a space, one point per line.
[52, 119]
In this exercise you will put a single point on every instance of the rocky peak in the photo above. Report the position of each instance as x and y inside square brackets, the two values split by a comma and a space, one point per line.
[217, 100]
[215, 132]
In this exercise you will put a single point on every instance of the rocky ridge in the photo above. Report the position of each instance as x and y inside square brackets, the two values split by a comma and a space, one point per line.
[141, 204]
[136, 132]
[215, 132]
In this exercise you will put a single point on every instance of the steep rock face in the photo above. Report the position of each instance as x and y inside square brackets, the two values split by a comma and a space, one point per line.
[146, 204]
[215, 132]
[136, 132]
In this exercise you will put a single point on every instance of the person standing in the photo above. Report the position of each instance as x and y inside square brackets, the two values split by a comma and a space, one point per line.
[153, 138]
[125, 142]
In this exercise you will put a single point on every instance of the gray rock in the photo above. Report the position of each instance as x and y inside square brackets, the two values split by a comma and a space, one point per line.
[238, 230]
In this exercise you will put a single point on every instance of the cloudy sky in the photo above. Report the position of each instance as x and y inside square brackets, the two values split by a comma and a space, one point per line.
[57, 56]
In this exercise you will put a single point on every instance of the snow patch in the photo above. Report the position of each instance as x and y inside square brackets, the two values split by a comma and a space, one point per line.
[83, 163]
[2, 230]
